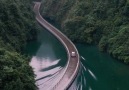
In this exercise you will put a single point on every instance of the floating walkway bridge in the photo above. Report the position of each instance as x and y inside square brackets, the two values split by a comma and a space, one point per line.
[72, 67]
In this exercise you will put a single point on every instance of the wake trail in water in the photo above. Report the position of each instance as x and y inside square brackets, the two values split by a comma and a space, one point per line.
[83, 66]
[84, 81]
[83, 58]
[90, 88]
[92, 74]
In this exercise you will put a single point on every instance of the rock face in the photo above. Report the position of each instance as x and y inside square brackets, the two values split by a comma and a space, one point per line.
[102, 22]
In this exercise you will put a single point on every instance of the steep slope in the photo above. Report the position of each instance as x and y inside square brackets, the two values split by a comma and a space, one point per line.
[17, 27]
[101, 22]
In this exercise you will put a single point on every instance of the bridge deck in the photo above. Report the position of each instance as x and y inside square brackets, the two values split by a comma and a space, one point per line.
[73, 62]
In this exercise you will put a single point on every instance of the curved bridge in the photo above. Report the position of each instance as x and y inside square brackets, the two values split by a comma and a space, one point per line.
[73, 63]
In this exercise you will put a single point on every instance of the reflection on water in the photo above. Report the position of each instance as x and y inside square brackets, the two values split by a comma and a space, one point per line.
[47, 72]
[44, 67]
[98, 71]
[48, 60]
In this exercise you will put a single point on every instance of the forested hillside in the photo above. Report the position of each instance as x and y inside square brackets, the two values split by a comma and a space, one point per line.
[101, 22]
[17, 27]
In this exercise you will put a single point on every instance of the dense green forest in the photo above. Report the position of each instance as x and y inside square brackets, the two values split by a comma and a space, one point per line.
[101, 22]
[17, 27]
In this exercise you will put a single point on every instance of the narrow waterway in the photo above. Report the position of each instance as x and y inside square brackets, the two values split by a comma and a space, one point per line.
[98, 70]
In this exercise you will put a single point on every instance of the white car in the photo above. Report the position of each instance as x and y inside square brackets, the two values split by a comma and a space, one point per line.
[73, 54]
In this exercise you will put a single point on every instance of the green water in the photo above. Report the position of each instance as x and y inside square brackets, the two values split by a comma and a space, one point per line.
[98, 70]
[101, 72]
[49, 57]
[47, 46]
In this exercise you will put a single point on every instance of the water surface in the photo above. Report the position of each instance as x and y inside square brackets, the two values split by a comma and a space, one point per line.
[98, 71]
[48, 59]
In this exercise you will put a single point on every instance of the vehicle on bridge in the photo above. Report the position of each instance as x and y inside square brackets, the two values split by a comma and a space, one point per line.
[73, 54]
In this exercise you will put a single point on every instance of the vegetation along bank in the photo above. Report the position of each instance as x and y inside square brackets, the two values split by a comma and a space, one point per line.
[101, 22]
[17, 27]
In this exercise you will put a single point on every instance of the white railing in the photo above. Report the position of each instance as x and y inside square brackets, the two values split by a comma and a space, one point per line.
[41, 20]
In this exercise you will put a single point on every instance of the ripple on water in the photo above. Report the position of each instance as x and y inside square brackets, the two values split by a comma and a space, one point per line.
[47, 72]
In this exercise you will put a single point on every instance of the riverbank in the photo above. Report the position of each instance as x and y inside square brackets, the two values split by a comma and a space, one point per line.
[100, 71]
[72, 66]
[104, 23]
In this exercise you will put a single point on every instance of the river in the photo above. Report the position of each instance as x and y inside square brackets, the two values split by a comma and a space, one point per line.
[98, 71]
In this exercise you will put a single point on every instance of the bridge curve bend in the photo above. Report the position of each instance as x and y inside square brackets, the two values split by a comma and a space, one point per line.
[72, 67]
